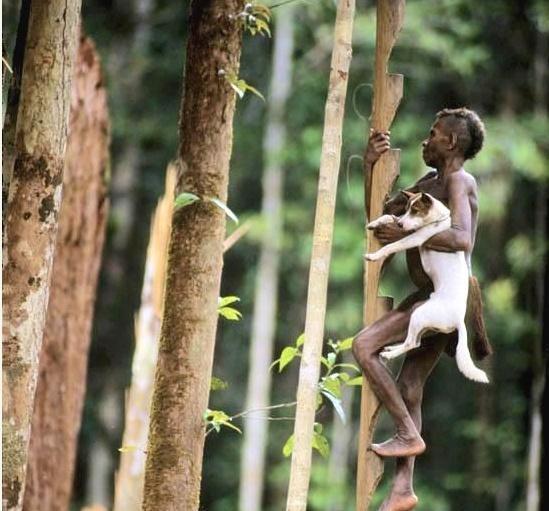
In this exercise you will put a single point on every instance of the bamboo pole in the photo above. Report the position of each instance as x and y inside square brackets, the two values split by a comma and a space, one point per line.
[309, 370]
[387, 95]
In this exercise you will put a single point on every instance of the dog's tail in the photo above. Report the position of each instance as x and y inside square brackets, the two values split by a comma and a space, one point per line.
[475, 320]
[463, 358]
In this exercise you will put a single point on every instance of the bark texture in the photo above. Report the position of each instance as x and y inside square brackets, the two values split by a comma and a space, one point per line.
[309, 370]
[252, 466]
[129, 479]
[388, 90]
[182, 379]
[63, 361]
[31, 223]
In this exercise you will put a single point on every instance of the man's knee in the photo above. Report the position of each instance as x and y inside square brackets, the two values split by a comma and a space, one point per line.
[362, 346]
[411, 391]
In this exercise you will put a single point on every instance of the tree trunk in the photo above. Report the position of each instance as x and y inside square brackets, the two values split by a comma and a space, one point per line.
[309, 370]
[187, 340]
[63, 362]
[129, 479]
[31, 223]
[266, 290]
[387, 95]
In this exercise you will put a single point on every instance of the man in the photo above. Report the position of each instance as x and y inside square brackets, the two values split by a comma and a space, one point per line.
[457, 135]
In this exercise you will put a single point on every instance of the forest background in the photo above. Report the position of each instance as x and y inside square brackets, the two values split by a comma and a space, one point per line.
[490, 56]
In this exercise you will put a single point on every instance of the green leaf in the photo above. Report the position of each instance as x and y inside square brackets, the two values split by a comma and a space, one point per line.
[325, 362]
[237, 89]
[288, 446]
[300, 340]
[355, 381]
[184, 199]
[348, 366]
[218, 384]
[287, 355]
[320, 443]
[128, 448]
[331, 359]
[224, 207]
[346, 344]
[331, 385]
[337, 405]
[227, 300]
[230, 313]
[319, 401]
[253, 90]
[262, 26]
[318, 427]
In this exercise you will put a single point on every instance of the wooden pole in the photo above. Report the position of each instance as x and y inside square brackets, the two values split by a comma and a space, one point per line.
[387, 96]
[309, 370]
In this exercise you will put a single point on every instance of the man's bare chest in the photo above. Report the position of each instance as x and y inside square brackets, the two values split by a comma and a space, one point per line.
[435, 187]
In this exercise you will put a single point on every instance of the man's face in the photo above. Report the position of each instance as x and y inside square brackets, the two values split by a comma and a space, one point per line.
[435, 146]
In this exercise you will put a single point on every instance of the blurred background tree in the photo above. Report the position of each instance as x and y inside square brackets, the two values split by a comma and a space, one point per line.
[490, 56]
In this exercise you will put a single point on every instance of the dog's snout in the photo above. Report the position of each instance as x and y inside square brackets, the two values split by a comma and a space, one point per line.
[399, 223]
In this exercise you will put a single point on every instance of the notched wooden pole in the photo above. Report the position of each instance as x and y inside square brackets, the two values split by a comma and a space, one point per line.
[387, 95]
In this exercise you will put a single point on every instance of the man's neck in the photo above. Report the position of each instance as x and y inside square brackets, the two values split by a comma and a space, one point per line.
[449, 166]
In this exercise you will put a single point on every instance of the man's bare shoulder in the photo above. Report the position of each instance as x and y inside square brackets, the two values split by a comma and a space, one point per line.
[463, 180]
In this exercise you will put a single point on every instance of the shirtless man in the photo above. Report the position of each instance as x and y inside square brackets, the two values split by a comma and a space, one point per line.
[456, 136]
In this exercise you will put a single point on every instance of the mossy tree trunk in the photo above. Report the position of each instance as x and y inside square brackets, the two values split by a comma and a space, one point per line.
[31, 221]
[63, 361]
[252, 467]
[187, 339]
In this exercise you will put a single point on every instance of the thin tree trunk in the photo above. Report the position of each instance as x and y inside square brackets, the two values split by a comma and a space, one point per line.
[252, 466]
[187, 340]
[63, 362]
[388, 90]
[31, 223]
[309, 370]
[129, 479]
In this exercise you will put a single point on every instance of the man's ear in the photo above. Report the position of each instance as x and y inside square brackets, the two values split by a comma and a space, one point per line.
[453, 140]
[426, 199]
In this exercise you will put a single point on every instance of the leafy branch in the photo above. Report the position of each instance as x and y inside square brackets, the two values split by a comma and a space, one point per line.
[256, 18]
[335, 375]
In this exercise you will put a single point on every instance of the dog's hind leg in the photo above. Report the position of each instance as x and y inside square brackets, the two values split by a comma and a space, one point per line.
[418, 324]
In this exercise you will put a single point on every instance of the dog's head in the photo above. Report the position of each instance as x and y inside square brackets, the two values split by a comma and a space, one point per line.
[422, 209]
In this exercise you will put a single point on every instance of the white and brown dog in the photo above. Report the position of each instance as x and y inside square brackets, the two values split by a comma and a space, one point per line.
[445, 310]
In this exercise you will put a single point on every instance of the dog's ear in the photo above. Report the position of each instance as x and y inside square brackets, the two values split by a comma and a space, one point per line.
[426, 199]
[409, 195]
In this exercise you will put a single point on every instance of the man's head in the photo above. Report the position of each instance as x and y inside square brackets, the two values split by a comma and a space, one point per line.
[455, 132]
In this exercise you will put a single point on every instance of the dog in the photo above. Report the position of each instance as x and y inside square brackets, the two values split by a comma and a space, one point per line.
[445, 310]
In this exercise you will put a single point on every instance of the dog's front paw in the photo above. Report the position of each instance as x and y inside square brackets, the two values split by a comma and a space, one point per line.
[375, 256]
[382, 220]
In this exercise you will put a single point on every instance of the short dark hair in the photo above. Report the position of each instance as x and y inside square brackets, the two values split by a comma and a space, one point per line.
[468, 127]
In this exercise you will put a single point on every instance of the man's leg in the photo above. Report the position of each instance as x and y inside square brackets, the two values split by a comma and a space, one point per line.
[391, 328]
[417, 367]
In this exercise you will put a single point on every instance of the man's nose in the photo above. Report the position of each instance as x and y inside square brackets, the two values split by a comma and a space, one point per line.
[424, 143]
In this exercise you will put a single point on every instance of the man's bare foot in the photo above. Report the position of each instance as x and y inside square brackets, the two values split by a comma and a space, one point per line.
[399, 447]
[399, 502]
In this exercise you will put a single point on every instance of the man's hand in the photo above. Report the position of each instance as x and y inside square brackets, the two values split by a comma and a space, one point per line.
[378, 143]
[389, 233]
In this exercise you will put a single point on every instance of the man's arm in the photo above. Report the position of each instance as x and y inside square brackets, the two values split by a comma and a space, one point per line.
[458, 237]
